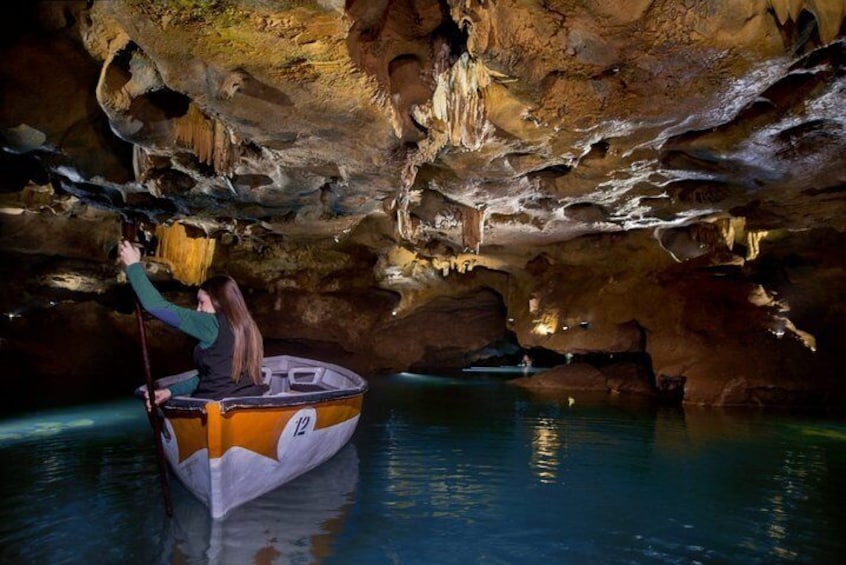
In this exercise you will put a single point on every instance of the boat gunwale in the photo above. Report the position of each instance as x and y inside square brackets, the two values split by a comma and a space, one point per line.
[229, 404]
[187, 404]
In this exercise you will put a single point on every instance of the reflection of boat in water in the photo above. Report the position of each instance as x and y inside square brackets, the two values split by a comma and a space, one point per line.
[294, 524]
[231, 451]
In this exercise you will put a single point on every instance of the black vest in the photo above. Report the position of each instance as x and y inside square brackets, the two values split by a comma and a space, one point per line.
[214, 367]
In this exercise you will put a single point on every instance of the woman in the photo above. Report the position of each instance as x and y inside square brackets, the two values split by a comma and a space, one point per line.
[229, 355]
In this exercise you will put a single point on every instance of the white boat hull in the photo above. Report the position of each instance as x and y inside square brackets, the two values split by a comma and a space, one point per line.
[231, 451]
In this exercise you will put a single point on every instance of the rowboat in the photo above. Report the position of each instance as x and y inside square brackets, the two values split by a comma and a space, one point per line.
[521, 369]
[230, 451]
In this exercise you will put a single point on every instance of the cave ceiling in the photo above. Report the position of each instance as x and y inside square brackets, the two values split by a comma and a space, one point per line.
[471, 124]
[450, 133]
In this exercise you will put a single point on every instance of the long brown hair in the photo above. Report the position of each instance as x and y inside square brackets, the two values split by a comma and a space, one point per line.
[248, 352]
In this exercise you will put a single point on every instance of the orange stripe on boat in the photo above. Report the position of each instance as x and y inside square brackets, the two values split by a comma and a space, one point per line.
[337, 411]
[256, 429]
[190, 432]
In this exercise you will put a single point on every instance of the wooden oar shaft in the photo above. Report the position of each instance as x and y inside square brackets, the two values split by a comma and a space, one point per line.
[155, 421]
[152, 414]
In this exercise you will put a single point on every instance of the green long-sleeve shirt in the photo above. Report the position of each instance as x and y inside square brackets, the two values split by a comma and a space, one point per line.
[201, 325]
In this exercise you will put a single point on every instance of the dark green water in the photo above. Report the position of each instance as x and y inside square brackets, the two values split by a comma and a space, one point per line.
[446, 470]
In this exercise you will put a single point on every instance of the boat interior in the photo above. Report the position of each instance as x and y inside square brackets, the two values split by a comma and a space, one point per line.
[297, 380]
[288, 378]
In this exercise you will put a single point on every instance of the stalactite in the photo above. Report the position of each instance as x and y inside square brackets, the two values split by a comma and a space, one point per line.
[465, 262]
[750, 238]
[140, 163]
[726, 227]
[209, 138]
[738, 230]
[188, 257]
[472, 224]
[458, 103]
[829, 15]
[224, 149]
[753, 243]
[427, 151]
[456, 116]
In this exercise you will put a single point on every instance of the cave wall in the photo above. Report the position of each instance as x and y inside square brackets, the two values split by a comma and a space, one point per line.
[732, 332]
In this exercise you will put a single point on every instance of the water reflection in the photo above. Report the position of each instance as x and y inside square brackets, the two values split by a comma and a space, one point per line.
[448, 472]
[39, 425]
[296, 523]
[548, 443]
[792, 486]
[58, 486]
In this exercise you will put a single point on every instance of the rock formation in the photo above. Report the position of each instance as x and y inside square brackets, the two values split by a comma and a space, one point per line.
[432, 183]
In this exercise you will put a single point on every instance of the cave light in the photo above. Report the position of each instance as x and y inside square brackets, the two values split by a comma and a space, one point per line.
[783, 324]
[543, 329]
[545, 326]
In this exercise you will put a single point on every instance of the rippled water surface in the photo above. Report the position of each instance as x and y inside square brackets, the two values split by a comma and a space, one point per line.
[448, 470]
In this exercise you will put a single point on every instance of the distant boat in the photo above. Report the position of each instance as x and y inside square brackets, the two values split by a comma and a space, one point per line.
[522, 369]
[231, 451]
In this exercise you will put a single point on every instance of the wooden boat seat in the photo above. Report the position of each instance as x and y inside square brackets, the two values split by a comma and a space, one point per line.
[307, 379]
[279, 384]
[296, 380]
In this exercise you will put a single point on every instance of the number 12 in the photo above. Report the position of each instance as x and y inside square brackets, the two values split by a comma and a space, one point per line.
[302, 425]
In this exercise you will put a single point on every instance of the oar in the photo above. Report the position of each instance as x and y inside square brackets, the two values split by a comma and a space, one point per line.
[129, 234]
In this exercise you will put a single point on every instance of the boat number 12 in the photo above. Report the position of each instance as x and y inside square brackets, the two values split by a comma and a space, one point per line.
[302, 425]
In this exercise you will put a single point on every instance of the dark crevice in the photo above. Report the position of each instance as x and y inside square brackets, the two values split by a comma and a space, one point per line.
[19, 170]
[598, 150]
[587, 212]
[455, 37]
[800, 36]
[699, 191]
[826, 190]
[556, 169]
[808, 33]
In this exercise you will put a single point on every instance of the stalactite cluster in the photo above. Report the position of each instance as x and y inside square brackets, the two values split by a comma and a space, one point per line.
[208, 138]
[188, 257]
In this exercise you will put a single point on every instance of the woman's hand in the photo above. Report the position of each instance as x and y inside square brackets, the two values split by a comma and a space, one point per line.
[161, 395]
[128, 253]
